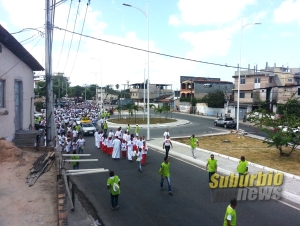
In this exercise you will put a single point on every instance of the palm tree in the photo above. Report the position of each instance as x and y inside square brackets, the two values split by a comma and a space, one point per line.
[119, 109]
[159, 110]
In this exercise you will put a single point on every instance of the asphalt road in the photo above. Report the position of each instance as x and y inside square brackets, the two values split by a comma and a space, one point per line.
[142, 203]
[198, 126]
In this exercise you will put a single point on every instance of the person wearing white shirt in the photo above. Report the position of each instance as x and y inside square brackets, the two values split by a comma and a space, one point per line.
[124, 148]
[74, 134]
[111, 133]
[96, 135]
[139, 144]
[81, 143]
[116, 148]
[144, 153]
[167, 145]
[130, 149]
[166, 133]
[139, 159]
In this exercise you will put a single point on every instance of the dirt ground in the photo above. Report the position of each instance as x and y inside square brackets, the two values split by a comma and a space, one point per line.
[19, 203]
[254, 150]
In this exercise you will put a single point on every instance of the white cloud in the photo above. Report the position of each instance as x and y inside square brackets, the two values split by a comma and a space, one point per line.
[211, 12]
[174, 20]
[287, 12]
[208, 43]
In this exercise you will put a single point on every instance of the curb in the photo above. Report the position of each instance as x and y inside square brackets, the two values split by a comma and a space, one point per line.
[115, 125]
[285, 194]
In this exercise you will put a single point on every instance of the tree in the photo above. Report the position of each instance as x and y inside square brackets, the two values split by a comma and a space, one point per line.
[117, 86]
[159, 110]
[214, 99]
[40, 89]
[280, 130]
[119, 109]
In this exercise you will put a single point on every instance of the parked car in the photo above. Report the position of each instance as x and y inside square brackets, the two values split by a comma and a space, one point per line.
[226, 122]
[88, 129]
[285, 129]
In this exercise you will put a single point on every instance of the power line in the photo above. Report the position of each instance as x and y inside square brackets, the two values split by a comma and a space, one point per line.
[87, 5]
[72, 37]
[20, 59]
[64, 36]
[163, 54]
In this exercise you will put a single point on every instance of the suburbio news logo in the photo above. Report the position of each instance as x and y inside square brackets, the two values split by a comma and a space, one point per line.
[260, 186]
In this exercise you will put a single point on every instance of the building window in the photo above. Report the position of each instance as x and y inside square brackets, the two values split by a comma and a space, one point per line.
[243, 81]
[2, 83]
[257, 80]
[270, 80]
[251, 95]
[242, 95]
[290, 80]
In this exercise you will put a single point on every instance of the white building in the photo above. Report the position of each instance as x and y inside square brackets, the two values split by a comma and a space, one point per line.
[16, 86]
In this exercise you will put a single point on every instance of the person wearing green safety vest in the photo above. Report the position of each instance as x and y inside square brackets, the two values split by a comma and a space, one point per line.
[137, 130]
[242, 169]
[108, 114]
[75, 164]
[194, 142]
[230, 214]
[113, 185]
[211, 166]
[105, 127]
[165, 174]
[128, 129]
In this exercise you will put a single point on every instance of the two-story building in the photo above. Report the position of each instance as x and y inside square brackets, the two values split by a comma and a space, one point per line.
[198, 87]
[156, 91]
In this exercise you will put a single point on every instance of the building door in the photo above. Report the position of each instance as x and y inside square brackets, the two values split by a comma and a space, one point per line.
[18, 105]
[243, 111]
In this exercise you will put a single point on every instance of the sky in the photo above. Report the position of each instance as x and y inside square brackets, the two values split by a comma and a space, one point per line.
[190, 32]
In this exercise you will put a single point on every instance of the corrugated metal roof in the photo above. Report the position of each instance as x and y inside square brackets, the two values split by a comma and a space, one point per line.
[17, 49]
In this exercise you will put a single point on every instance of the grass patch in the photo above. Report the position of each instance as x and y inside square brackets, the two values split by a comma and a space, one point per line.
[253, 149]
[141, 121]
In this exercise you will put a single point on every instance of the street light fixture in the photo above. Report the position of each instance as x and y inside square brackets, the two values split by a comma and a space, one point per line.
[148, 84]
[239, 71]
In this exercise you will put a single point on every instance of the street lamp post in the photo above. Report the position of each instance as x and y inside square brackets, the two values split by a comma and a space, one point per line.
[239, 71]
[148, 83]
[101, 99]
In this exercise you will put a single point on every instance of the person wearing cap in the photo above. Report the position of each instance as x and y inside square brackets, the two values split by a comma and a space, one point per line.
[211, 166]
[137, 130]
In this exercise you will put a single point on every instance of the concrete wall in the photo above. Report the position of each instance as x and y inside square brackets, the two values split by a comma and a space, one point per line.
[16, 71]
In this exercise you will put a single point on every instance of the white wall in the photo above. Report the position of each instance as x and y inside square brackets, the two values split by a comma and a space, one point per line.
[16, 70]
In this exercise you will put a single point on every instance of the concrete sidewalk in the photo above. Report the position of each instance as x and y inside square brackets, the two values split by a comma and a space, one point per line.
[227, 165]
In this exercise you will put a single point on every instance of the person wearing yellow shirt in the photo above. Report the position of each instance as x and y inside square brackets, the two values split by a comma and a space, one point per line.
[230, 214]
[211, 166]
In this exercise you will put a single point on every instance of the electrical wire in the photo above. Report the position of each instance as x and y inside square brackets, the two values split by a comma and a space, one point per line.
[64, 35]
[28, 52]
[28, 38]
[163, 54]
[72, 36]
[29, 29]
[87, 5]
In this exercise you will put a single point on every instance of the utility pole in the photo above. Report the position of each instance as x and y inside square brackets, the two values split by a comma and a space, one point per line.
[48, 73]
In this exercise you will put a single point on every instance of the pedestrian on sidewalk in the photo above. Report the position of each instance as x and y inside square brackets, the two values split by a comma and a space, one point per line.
[130, 149]
[166, 133]
[230, 214]
[211, 166]
[113, 185]
[165, 174]
[167, 145]
[139, 159]
[242, 169]
[194, 142]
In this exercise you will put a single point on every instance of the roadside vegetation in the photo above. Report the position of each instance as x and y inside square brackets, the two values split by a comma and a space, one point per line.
[282, 127]
[256, 151]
